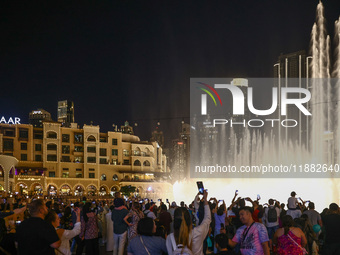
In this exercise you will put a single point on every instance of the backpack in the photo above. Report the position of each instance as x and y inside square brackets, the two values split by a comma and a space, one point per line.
[272, 214]
[179, 249]
[146, 213]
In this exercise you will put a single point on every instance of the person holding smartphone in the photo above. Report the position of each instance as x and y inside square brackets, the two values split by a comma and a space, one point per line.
[186, 237]
[219, 216]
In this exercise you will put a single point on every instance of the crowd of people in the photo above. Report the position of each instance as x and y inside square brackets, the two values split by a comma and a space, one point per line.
[136, 226]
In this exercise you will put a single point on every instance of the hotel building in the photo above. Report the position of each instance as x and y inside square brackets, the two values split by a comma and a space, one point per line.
[58, 160]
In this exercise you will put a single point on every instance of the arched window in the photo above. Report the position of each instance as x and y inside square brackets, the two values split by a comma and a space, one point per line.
[91, 138]
[137, 163]
[146, 163]
[79, 190]
[115, 177]
[65, 190]
[147, 152]
[52, 190]
[103, 177]
[52, 135]
[102, 191]
[91, 190]
[137, 152]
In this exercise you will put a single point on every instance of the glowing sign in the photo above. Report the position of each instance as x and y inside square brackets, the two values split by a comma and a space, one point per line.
[10, 120]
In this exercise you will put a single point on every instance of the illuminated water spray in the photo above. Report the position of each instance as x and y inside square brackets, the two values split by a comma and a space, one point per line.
[255, 148]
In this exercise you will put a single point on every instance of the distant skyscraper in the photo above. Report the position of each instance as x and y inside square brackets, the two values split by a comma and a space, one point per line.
[37, 117]
[66, 112]
[291, 71]
[180, 158]
[157, 136]
[291, 65]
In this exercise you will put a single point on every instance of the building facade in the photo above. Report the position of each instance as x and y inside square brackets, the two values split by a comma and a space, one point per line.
[66, 112]
[57, 160]
[180, 154]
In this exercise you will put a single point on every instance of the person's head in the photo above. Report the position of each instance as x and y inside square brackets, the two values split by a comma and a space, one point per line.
[147, 206]
[182, 204]
[49, 204]
[87, 209]
[37, 208]
[52, 218]
[311, 205]
[118, 202]
[293, 194]
[136, 205]
[173, 204]
[221, 241]
[182, 226]
[164, 208]
[146, 227]
[242, 203]
[246, 215]
[220, 210]
[282, 206]
[334, 208]
[76, 205]
[287, 222]
[67, 211]
[271, 201]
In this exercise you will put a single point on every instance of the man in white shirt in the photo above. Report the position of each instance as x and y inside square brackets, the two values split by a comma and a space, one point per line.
[293, 209]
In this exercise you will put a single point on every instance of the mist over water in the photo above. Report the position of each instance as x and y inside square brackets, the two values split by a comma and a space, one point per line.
[323, 146]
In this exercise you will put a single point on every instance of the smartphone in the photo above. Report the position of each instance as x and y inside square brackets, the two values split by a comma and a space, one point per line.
[236, 191]
[151, 200]
[167, 200]
[146, 200]
[159, 200]
[200, 187]
[258, 197]
[72, 204]
[141, 202]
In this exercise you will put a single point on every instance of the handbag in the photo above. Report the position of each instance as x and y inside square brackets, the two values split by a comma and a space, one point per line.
[209, 242]
[141, 239]
[303, 249]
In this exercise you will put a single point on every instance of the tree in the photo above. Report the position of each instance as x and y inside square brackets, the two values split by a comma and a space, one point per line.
[127, 190]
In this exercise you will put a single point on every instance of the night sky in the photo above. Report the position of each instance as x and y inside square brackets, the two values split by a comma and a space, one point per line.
[132, 60]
